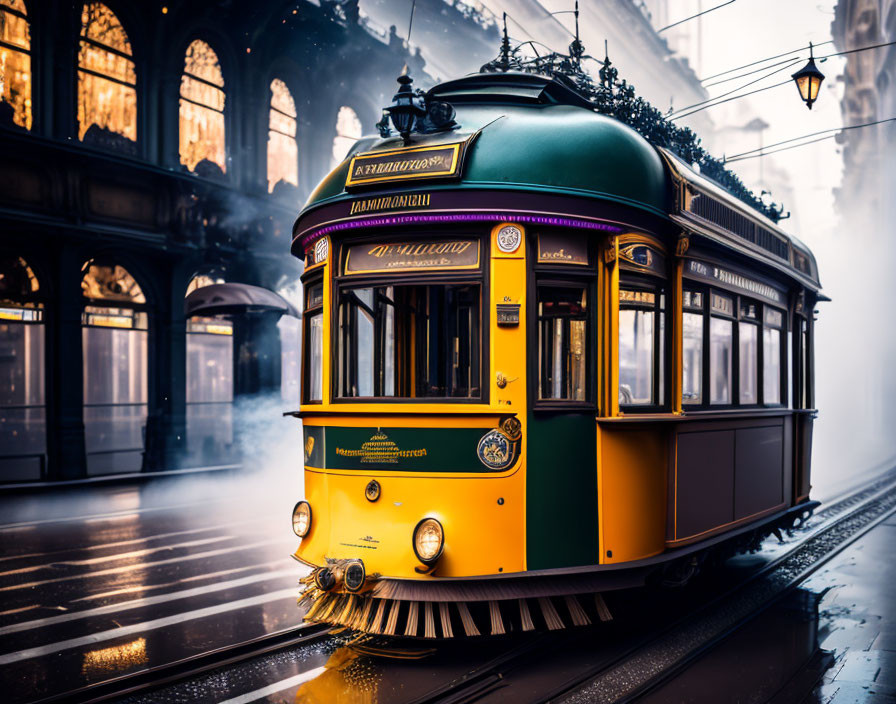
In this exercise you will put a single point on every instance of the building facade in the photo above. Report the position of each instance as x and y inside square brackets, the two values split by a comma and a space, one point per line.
[869, 95]
[148, 150]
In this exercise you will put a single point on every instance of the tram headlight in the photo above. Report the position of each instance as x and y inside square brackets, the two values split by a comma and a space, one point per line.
[301, 519]
[429, 539]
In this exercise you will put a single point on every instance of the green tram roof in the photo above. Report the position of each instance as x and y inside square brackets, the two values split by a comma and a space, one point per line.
[530, 133]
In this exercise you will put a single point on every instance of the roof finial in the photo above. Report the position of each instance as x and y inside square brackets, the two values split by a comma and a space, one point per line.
[505, 48]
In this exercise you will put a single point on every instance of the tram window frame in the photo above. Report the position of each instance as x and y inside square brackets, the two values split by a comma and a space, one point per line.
[558, 274]
[781, 329]
[661, 343]
[737, 319]
[312, 310]
[574, 283]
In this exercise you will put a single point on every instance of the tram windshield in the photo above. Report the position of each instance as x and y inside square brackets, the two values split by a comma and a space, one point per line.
[409, 341]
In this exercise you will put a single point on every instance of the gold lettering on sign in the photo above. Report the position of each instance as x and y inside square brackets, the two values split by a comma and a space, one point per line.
[412, 256]
[412, 200]
[401, 164]
[380, 450]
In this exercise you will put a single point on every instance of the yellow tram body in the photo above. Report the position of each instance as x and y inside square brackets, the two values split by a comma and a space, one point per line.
[588, 492]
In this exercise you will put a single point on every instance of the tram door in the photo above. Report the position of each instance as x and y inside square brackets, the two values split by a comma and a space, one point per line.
[561, 479]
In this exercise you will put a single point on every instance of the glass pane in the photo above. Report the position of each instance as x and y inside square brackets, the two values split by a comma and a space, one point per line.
[720, 346]
[23, 442]
[771, 367]
[21, 364]
[290, 360]
[749, 363]
[283, 154]
[202, 108]
[410, 341]
[804, 363]
[115, 366]
[636, 339]
[692, 358]
[563, 335]
[209, 368]
[315, 358]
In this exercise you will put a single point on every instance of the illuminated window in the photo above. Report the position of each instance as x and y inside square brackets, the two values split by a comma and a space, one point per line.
[110, 283]
[283, 153]
[202, 108]
[15, 61]
[348, 131]
[107, 96]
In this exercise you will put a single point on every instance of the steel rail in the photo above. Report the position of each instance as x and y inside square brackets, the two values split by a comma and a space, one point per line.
[622, 679]
[193, 666]
[493, 675]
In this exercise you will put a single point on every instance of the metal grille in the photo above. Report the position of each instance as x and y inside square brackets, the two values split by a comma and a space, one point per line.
[720, 214]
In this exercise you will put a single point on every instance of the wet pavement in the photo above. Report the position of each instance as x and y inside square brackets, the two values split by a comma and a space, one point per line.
[131, 579]
[103, 583]
[831, 642]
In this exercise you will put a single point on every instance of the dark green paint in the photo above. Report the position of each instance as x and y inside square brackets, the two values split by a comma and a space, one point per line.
[447, 449]
[550, 148]
[561, 491]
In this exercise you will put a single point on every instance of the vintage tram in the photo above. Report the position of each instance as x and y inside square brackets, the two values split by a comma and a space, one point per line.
[544, 359]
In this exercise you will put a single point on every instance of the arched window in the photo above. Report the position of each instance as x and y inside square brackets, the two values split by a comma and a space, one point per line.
[348, 131]
[23, 439]
[283, 152]
[107, 93]
[115, 347]
[202, 108]
[209, 382]
[15, 62]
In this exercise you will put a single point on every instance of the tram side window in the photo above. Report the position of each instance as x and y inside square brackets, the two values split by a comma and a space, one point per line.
[748, 353]
[692, 348]
[562, 342]
[771, 356]
[410, 342]
[641, 346]
[314, 342]
[721, 345]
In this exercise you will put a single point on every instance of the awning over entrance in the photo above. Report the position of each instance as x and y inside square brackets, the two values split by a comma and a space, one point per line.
[225, 299]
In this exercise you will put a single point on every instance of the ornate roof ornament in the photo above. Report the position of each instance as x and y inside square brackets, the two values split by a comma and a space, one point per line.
[617, 99]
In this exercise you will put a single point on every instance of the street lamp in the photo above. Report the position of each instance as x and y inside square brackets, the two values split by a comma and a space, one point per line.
[808, 80]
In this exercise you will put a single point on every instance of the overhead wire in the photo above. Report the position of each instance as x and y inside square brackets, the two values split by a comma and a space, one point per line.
[752, 153]
[705, 103]
[687, 19]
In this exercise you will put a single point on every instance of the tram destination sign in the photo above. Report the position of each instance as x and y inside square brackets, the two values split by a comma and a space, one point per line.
[374, 258]
[732, 280]
[441, 161]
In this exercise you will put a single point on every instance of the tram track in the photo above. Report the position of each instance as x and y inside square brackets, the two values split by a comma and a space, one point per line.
[193, 667]
[624, 671]
[645, 663]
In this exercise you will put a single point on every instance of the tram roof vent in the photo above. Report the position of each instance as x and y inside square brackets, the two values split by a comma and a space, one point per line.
[716, 212]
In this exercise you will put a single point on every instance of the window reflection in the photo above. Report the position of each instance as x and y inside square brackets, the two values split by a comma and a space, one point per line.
[771, 365]
[202, 108]
[720, 346]
[15, 62]
[209, 383]
[23, 444]
[562, 342]
[410, 341]
[283, 152]
[748, 349]
[115, 365]
[314, 343]
[107, 94]
[640, 346]
[348, 131]
[692, 359]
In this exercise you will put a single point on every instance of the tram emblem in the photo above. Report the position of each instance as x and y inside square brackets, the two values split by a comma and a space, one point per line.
[495, 450]
[509, 238]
